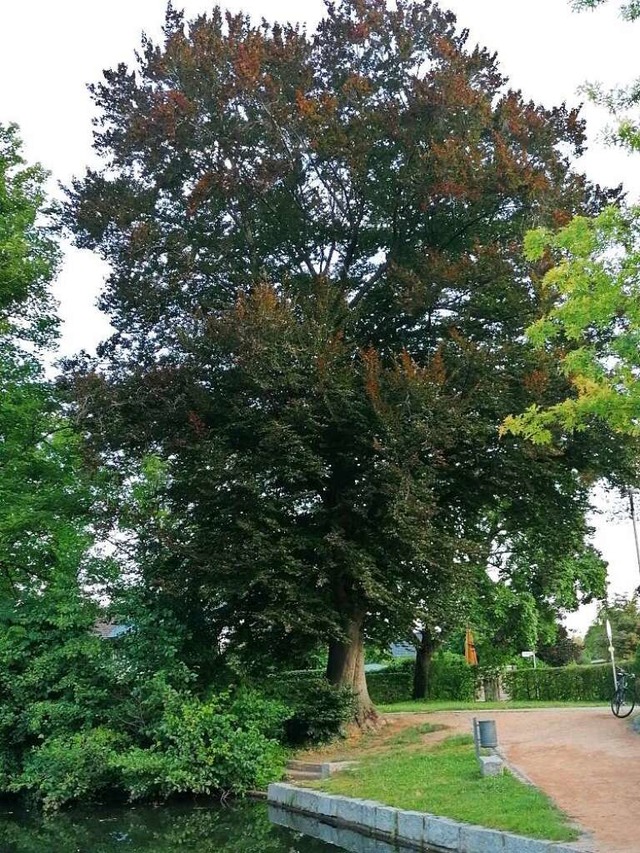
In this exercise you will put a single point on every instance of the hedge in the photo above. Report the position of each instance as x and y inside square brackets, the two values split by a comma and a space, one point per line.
[386, 686]
[450, 677]
[563, 684]
[390, 685]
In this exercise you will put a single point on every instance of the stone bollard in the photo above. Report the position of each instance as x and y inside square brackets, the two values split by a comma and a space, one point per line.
[491, 765]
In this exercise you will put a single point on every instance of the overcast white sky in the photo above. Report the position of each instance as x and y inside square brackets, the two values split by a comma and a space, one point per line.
[52, 48]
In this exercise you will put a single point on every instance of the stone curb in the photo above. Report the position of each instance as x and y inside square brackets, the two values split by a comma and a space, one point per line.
[411, 829]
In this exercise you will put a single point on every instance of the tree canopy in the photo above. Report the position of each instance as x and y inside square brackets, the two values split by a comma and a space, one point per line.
[28, 254]
[591, 292]
[38, 499]
[593, 324]
[624, 618]
[319, 299]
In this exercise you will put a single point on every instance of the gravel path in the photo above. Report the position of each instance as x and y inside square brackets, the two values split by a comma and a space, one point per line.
[585, 759]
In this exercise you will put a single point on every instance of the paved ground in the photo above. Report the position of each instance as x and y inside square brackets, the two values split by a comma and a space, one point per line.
[584, 758]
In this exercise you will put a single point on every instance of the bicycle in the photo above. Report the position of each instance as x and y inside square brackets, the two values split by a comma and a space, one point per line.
[624, 699]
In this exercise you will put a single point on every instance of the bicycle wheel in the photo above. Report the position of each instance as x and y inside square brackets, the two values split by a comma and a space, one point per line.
[622, 704]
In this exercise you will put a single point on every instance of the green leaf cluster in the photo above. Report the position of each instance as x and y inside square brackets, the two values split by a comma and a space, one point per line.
[320, 711]
[81, 716]
[592, 326]
[28, 253]
[562, 684]
[624, 617]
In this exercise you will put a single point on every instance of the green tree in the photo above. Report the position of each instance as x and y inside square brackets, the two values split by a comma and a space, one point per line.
[80, 715]
[622, 101]
[28, 254]
[44, 497]
[592, 325]
[591, 295]
[537, 565]
[630, 10]
[319, 298]
[624, 618]
[562, 650]
[43, 521]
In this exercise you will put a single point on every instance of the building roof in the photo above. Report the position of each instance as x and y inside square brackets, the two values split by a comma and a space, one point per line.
[110, 630]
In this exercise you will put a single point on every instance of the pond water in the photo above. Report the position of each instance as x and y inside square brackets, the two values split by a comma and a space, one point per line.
[242, 827]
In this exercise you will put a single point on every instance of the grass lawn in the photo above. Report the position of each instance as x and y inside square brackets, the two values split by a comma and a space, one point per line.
[443, 778]
[424, 707]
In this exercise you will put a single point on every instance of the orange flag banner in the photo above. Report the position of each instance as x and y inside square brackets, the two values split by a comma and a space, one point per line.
[470, 653]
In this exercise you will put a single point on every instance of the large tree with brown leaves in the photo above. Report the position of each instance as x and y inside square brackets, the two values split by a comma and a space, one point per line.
[319, 296]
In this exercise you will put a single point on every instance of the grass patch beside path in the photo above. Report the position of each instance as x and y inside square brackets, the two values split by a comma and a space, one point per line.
[426, 707]
[445, 780]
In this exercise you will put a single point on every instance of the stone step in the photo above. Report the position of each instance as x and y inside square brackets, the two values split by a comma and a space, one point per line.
[303, 774]
[310, 766]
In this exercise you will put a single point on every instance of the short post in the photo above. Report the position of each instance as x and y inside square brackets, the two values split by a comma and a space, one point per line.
[476, 738]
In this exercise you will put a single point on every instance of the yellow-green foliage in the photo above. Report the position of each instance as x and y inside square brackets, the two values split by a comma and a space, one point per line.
[593, 325]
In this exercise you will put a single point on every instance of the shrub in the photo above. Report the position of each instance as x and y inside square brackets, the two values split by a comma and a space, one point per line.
[219, 745]
[82, 718]
[148, 774]
[222, 745]
[450, 677]
[69, 768]
[563, 684]
[390, 685]
[318, 710]
[251, 710]
[320, 713]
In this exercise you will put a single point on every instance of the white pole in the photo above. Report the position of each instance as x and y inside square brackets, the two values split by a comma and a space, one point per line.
[635, 529]
[611, 653]
[534, 660]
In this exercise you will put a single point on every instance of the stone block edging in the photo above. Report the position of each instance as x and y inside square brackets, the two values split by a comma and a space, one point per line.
[411, 829]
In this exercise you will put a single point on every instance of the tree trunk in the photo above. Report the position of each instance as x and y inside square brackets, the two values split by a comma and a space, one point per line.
[424, 655]
[345, 668]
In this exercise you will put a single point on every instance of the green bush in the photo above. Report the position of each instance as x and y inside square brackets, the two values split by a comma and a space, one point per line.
[148, 774]
[387, 686]
[320, 713]
[69, 768]
[224, 744]
[450, 677]
[318, 710]
[563, 684]
[219, 745]
[83, 718]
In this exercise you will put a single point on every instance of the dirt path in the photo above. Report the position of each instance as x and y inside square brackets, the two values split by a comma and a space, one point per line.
[584, 758]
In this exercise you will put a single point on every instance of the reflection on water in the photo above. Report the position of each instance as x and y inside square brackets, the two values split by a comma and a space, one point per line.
[342, 838]
[243, 827]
